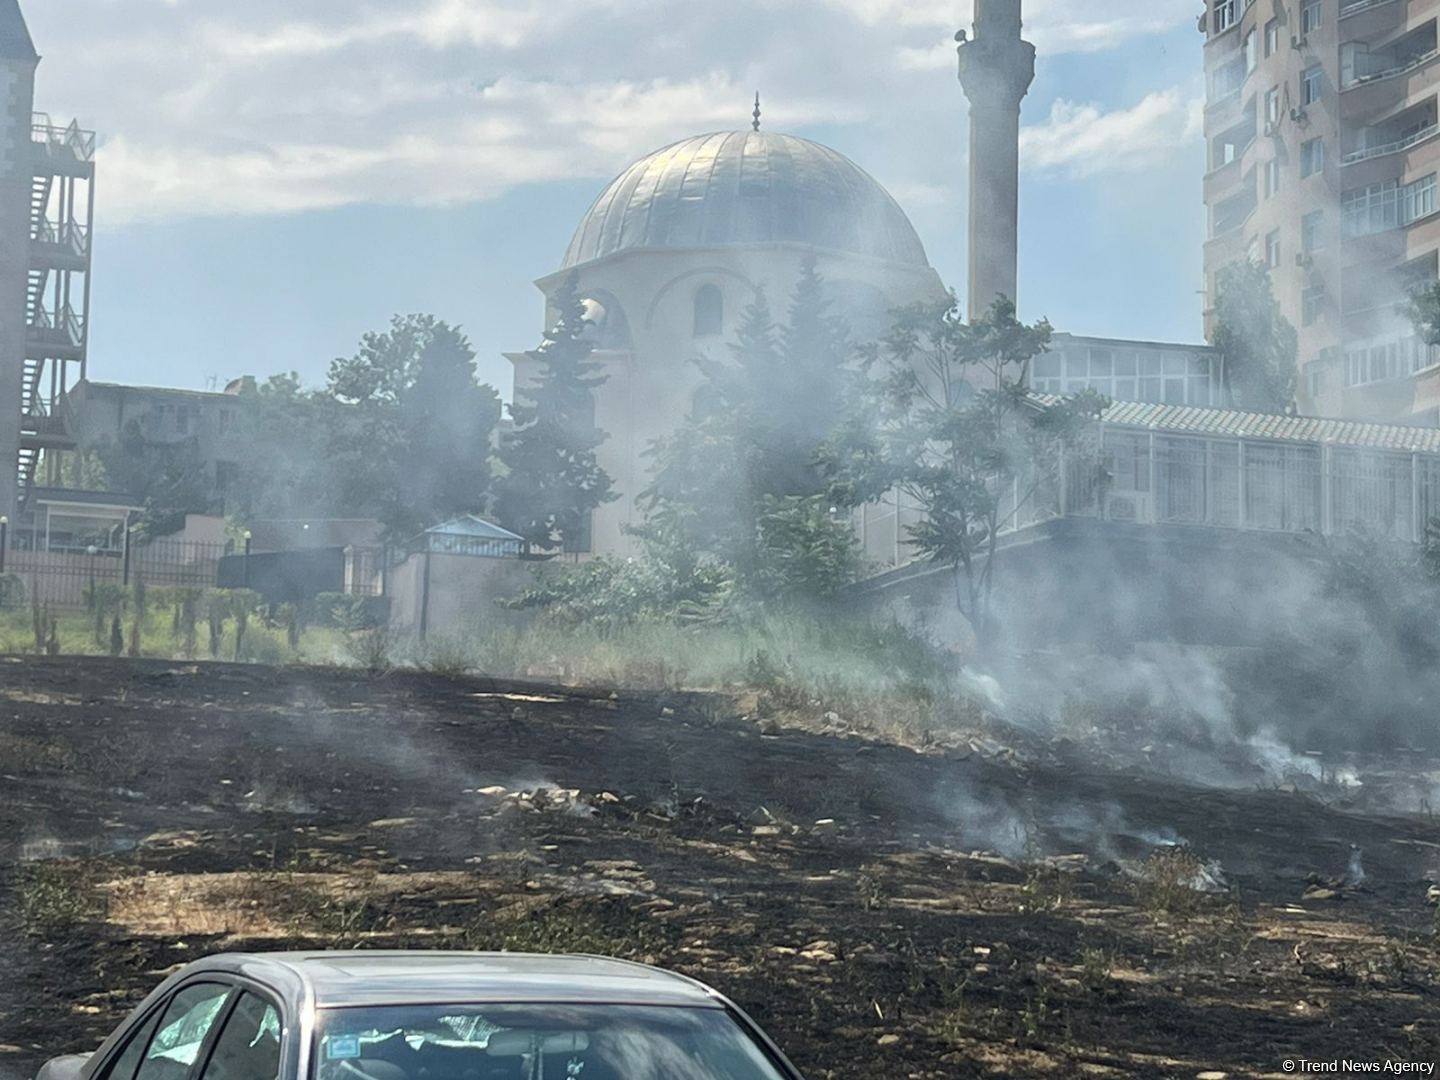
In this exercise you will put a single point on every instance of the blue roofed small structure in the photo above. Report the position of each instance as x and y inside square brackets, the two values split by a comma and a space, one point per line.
[469, 535]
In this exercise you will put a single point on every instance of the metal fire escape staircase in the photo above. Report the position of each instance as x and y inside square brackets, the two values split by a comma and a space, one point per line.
[62, 205]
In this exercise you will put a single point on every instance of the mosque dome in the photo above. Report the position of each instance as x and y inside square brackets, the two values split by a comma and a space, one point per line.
[746, 187]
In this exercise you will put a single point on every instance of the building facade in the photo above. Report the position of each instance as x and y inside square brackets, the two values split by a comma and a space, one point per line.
[1321, 126]
[47, 205]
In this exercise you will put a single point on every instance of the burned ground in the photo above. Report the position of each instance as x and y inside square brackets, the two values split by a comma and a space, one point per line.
[843, 888]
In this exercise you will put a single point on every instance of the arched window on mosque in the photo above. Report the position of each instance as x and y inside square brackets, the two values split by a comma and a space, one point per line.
[709, 311]
[607, 327]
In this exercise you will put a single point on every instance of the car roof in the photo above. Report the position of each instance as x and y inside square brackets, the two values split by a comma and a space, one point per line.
[348, 979]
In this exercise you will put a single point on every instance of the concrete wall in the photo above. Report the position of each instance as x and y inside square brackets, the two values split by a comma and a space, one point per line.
[463, 591]
[1106, 585]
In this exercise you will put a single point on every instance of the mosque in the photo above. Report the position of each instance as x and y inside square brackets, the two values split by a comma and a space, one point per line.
[675, 247]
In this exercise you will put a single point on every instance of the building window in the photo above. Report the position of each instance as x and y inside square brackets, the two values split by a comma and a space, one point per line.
[1312, 85]
[1312, 231]
[1272, 105]
[1225, 13]
[709, 311]
[1252, 57]
[1312, 157]
[1384, 206]
[1381, 360]
[1173, 378]
[1312, 13]
[1311, 302]
[1272, 177]
[1272, 249]
[182, 420]
[1315, 380]
[227, 420]
[1272, 37]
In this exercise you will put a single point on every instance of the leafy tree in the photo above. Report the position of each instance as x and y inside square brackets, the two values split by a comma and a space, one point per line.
[1257, 341]
[401, 432]
[553, 481]
[169, 478]
[743, 480]
[1423, 309]
[950, 425]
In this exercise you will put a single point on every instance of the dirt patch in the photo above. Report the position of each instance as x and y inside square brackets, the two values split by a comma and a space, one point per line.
[946, 910]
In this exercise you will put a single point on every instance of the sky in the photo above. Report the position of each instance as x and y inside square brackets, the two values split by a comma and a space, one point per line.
[277, 177]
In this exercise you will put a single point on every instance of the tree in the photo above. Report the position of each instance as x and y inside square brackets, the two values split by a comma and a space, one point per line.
[1256, 340]
[553, 481]
[950, 425]
[1423, 310]
[401, 432]
[742, 479]
[169, 478]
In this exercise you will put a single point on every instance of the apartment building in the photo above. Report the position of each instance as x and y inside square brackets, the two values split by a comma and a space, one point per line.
[1324, 145]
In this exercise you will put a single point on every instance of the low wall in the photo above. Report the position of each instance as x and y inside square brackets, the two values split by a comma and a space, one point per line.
[462, 594]
[1105, 584]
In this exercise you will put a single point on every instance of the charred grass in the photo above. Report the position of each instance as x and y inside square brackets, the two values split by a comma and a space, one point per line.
[157, 813]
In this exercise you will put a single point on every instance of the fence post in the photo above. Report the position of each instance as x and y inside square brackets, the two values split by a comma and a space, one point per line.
[425, 597]
[125, 558]
[385, 570]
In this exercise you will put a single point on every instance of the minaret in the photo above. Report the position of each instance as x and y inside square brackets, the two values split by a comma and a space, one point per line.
[996, 69]
[18, 62]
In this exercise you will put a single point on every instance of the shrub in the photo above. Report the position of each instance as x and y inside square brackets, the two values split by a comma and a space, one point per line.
[342, 611]
[12, 592]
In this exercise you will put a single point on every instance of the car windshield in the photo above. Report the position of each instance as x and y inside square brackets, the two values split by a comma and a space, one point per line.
[537, 1042]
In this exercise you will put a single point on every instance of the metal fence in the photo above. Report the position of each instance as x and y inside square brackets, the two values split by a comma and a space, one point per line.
[68, 579]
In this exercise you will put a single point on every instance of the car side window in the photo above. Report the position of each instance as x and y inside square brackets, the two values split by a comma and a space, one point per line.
[188, 1019]
[249, 1044]
[123, 1067]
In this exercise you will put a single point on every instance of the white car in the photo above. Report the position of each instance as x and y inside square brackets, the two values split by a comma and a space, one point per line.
[429, 1016]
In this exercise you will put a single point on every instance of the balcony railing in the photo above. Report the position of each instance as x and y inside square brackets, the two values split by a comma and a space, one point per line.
[72, 236]
[60, 140]
[63, 325]
[1355, 7]
[1398, 69]
[1393, 147]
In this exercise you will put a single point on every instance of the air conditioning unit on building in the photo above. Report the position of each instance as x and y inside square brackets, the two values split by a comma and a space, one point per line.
[1127, 506]
[1297, 114]
[1303, 259]
[1297, 41]
[1271, 128]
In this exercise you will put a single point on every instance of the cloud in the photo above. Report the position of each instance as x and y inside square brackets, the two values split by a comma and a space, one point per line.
[1082, 140]
[210, 107]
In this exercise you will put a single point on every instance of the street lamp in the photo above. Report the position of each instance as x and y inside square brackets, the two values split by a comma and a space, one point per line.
[4, 539]
[246, 570]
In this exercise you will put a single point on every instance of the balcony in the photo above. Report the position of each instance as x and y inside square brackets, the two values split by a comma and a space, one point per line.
[60, 246]
[1409, 128]
[69, 150]
[1350, 8]
[60, 334]
[1361, 65]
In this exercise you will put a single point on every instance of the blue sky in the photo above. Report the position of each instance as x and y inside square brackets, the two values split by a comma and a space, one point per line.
[280, 176]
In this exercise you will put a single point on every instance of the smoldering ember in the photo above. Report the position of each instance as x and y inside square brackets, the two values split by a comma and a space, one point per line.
[956, 693]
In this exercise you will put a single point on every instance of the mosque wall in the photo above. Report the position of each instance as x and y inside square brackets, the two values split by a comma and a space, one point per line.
[651, 385]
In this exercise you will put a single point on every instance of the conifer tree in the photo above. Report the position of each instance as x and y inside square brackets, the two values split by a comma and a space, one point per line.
[553, 481]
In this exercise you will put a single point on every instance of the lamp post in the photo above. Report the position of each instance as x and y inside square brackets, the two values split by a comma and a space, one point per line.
[246, 571]
[4, 540]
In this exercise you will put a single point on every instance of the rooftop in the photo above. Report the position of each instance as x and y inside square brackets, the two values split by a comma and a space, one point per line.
[746, 187]
[1233, 423]
[339, 979]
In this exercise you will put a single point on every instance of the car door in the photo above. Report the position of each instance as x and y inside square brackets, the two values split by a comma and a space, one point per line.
[183, 1032]
[248, 1044]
